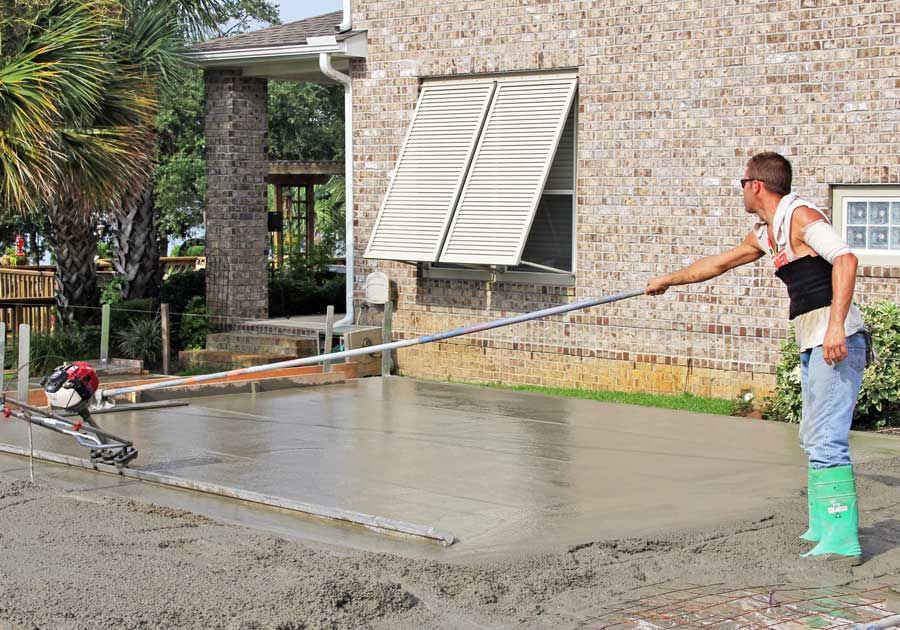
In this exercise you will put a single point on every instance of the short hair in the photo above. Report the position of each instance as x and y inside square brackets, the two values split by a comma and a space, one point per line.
[773, 170]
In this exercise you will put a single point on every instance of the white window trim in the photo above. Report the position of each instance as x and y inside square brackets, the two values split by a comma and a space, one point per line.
[498, 275]
[488, 274]
[841, 194]
[456, 242]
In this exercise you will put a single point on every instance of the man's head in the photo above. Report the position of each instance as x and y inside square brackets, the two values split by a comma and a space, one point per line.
[767, 177]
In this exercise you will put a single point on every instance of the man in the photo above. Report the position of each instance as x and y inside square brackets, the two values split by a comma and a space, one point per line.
[820, 272]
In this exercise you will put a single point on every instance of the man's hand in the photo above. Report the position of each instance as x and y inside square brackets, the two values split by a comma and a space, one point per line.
[657, 286]
[834, 348]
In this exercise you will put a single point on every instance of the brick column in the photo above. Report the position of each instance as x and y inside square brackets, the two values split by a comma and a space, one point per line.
[236, 165]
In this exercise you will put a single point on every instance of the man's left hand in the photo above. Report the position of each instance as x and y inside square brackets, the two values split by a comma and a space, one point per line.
[834, 347]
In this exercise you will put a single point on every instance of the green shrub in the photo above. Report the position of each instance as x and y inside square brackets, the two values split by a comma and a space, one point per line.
[69, 342]
[288, 296]
[142, 340]
[879, 399]
[124, 313]
[196, 250]
[194, 325]
[306, 286]
[178, 289]
[878, 404]
[112, 292]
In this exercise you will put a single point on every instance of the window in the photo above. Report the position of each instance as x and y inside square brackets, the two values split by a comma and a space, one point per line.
[485, 179]
[868, 217]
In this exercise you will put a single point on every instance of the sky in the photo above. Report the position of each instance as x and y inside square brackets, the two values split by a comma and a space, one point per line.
[293, 10]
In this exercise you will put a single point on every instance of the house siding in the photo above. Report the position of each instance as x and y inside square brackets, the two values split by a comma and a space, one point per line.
[674, 97]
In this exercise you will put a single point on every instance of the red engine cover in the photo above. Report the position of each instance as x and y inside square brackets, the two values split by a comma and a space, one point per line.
[82, 375]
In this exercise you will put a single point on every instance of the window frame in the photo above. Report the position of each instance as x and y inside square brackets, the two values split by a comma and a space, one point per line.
[494, 273]
[841, 195]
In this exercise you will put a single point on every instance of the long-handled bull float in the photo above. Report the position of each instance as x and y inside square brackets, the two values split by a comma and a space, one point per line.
[75, 387]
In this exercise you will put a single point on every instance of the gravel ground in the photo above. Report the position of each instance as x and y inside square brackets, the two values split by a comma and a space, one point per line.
[75, 561]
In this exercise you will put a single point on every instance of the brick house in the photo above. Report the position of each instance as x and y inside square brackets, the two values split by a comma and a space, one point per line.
[510, 155]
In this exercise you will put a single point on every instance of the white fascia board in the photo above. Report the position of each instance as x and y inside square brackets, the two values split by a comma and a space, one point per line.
[350, 47]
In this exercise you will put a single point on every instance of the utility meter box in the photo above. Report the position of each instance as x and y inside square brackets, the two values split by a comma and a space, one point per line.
[378, 288]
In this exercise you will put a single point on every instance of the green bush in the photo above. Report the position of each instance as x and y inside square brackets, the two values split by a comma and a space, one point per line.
[112, 292]
[178, 289]
[878, 404]
[124, 313]
[196, 250]
[141, 340]
[305, 286]
[69, 342]
[194, 325]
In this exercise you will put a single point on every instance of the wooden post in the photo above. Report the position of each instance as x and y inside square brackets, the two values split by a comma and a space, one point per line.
[164, 315]
[310, 217]
[329, 325]
[2, 356]
[279, 236]
[104, 335]
[22, 385]
[386, 362]
[288, 220]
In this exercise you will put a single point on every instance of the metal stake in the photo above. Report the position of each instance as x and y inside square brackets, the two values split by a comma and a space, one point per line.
[386, 338]
[104, 335]
[329, 326]
[164, 315]
[22, 377]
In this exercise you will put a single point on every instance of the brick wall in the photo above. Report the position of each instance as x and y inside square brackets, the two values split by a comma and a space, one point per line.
[236, 165]
[674, 97]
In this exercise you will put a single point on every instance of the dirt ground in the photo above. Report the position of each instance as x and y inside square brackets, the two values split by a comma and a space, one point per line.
[75, 561]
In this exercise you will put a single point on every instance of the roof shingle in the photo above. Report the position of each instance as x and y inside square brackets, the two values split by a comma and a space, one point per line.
[290, 34]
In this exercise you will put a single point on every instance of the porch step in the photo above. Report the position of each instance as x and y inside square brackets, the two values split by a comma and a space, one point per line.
[240, 341]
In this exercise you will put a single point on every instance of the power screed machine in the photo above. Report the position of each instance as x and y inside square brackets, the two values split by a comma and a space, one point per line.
[70, 388]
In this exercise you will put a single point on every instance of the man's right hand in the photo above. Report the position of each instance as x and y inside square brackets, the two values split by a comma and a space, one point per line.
[657, 286]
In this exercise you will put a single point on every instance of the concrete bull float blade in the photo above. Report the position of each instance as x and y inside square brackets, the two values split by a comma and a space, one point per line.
[377, 523]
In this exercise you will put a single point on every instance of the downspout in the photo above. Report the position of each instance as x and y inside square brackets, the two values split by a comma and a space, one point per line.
[344, 26]
[330, 71]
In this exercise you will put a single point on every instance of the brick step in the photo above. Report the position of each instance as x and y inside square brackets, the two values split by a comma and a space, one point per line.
[273, 328]
[226, 360]
[254, 343]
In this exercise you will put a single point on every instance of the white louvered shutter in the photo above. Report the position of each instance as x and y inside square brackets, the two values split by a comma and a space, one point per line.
[508, 172]
[430, 171]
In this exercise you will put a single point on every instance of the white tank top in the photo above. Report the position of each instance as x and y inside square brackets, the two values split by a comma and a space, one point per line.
[810, 327]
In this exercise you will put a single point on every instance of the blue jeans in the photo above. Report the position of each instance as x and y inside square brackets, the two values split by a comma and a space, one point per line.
[829, 398]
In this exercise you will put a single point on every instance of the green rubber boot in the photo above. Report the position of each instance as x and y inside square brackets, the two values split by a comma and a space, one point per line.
[834, 493]
[813, 533]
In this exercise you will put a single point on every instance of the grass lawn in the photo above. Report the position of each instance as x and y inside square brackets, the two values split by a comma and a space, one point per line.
[685, 402]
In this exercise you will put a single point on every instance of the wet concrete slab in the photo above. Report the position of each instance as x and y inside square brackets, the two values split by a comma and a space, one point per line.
[506, 472]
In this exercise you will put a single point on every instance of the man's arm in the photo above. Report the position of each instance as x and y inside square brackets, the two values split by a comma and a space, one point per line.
[708, 267]
[821, 237]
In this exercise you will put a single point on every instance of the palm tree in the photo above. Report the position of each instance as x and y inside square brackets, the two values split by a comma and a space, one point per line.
[75, 100]
[79, 81]
[136, 239]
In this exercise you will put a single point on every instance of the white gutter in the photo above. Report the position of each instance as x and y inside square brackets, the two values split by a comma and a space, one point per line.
[329, 71]
[344, 26]
[322, 45]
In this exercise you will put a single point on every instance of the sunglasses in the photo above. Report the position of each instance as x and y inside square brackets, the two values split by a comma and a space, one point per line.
[751, 179]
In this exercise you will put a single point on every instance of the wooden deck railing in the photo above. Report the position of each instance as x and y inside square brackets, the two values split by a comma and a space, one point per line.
[16, 282]
[37, 312]
[28, 294]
